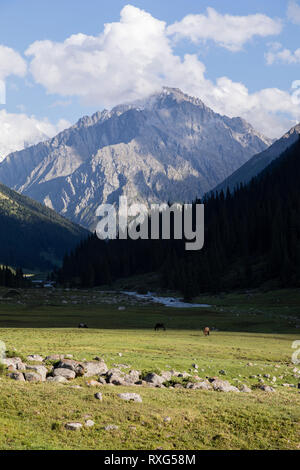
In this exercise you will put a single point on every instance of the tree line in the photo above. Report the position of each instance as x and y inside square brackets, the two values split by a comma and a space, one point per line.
[252, 239]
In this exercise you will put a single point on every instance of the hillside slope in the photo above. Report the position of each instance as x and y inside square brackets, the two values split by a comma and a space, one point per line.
[33, 236]
[260, 161]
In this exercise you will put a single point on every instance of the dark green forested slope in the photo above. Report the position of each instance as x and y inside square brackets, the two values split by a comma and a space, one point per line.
[31, 235]
[252, 238]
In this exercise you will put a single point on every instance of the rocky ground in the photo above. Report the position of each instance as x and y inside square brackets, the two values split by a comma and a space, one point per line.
[121, 385]
[63, 368]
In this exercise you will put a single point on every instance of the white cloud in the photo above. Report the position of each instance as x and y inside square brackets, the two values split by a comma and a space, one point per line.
[278, 53]
[228, 31]
[11, 63]
[293, 12]
[134, 57]
[19, 130]
[128, 60]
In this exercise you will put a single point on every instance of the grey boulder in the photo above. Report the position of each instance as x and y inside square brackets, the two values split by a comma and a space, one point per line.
[130, 397]
[64, 372]
[42, 370]
[17, 376]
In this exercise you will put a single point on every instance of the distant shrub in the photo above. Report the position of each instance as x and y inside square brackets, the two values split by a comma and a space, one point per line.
[179, 380]
[10, 353]
[55, 426]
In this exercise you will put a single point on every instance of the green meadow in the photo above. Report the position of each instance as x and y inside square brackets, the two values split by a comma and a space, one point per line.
[257, 329]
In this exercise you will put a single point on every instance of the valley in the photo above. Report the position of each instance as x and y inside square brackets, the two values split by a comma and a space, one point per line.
[252, 346]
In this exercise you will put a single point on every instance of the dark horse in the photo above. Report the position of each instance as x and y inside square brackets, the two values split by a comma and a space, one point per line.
[159, 326]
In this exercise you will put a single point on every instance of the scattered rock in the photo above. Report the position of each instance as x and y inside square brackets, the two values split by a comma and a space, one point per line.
[245, 389]
[166, 375]
[64, 372]
[111, 427]
[73, 426]
[132, 378]
[101, 380]
[57, 379]
[89, 423]
[35, 357]
[183, 375]
[130, 397]
[14, 363]
[155, 379]
[93, 368]
[72, 365]
[93, 383]
[267, 388]
[98, 396]
[42, 370]
[17, 376]
[167, 419]
[222, 372]
[32, 377]
[195, 366]
[54, 357]
[223, 386]
[116, 379]
[199, 386]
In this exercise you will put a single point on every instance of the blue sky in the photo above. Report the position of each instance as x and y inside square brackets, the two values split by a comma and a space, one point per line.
[241, 58]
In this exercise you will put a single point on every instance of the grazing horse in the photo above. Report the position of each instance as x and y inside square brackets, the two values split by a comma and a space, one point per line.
[159, 326]
[82, 325]
[206, 331]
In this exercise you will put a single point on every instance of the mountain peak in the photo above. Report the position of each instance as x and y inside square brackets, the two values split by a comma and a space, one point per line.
[166, 96]
[179, 96]
[167, 147]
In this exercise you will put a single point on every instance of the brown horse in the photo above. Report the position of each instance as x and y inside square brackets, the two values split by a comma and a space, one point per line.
[206, 331]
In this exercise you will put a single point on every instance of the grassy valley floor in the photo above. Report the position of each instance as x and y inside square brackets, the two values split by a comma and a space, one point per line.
[252, 328]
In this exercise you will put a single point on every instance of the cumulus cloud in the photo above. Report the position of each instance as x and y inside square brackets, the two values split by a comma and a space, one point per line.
[279, 54]
[228, 31]
[11, 63]
[135, 57]
[19, 130]
[270, 110]
[293, 12]
[128, 60]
